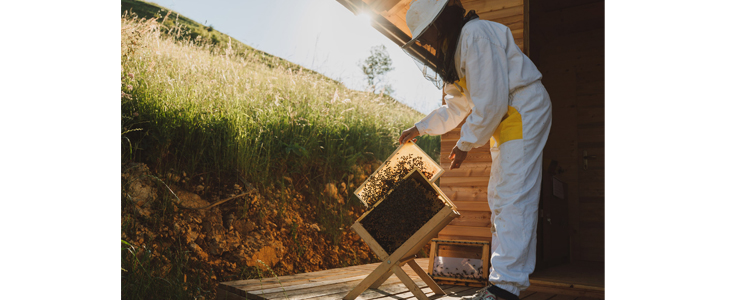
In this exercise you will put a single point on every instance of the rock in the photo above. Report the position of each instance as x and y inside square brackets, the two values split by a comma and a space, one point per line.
[270, 255]
[190, 200]
[140, 188]
[217, 244]
[248, 227]
[239, 225]
[198, 251]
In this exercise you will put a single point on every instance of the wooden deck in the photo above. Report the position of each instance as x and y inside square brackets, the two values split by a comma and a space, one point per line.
[336, 283]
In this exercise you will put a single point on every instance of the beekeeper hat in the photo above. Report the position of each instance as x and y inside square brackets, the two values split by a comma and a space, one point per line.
[421, 15]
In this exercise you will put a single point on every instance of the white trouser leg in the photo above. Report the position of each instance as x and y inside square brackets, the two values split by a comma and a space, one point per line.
[514, 193]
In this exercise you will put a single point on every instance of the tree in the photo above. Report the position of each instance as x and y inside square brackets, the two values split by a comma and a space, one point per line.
[375, 67]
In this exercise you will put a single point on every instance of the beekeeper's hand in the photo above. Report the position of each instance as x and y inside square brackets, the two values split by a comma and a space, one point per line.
[457, 157]
[408, 134]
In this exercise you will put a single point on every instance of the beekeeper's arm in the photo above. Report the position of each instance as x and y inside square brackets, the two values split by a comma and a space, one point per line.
[442, 119]
[446, 117]
[485, 66]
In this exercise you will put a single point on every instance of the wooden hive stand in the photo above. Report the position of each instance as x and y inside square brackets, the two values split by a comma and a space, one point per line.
[404, 254]
[484, 249]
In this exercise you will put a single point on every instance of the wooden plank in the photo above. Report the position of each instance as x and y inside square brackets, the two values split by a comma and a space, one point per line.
[477, 156]
[563, 297]
[447, 146]
[320, 291]
[589, 115]
[473, 218]
[431, 257]
[461, 251]
[467, 231]
[459, 196]
[260, 284]
[427, 279]
[513, 22]
[489, 5]
[526, 23]
[526, 294]
[486, 260]
[502, 13]
[381, 280]
[451, 136]
[407, 295]
[466, 171]
[338, 291]
[465, 181]
[539, 296]
[564, 289]
[472, 205]
[305, 285]
[465, 190]
[592, 212]
[415, 289]
[382, 5]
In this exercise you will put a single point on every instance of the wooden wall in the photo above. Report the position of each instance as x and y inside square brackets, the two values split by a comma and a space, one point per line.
[567, 45]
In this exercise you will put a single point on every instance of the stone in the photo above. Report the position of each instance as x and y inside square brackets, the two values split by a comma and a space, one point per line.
[270, 255]
[191, 200]
[198, 251]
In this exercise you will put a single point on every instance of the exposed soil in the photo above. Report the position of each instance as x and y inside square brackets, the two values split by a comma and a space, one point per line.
[276, 226]
[403, 212]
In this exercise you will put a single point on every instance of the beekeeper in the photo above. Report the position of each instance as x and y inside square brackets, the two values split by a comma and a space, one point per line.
[487, 78]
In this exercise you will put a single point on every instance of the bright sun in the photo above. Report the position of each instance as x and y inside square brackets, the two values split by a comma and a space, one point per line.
[364, 18]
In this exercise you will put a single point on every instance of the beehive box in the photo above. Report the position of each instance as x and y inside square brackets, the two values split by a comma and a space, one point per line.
[415, 205]
[459, 266]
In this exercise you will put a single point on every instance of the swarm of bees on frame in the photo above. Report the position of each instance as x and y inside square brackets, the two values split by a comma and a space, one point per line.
[403, 212]
[470, 273]
[384, 180]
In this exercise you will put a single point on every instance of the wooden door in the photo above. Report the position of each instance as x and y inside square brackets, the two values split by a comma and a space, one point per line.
[567, 45]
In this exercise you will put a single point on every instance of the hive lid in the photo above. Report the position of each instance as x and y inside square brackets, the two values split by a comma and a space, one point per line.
[374, 183]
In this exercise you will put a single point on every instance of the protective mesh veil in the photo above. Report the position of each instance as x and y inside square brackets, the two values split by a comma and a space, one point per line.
[433, 51]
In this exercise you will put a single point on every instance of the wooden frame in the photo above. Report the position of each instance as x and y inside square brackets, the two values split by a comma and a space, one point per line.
[393, 263]
[406, 148]
[485, 254]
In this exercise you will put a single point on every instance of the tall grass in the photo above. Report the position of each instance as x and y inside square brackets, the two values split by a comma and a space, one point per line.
[194, 106]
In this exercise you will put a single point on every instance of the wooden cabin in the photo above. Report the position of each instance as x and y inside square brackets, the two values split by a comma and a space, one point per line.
[565, 39]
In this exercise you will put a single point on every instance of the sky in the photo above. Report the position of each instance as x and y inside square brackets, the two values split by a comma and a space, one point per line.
[321, 35]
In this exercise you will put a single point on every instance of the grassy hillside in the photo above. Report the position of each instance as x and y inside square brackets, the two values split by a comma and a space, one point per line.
[218, 118]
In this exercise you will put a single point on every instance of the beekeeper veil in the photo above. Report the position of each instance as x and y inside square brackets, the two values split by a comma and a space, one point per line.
[435, 27]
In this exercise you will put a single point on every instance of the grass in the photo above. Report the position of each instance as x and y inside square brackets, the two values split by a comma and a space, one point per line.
[217, 108]
[187, 105]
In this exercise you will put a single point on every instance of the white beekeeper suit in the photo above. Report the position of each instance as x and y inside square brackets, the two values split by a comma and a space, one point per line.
[508, 104]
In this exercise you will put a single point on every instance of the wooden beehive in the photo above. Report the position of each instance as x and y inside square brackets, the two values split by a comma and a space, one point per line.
[404, 253]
